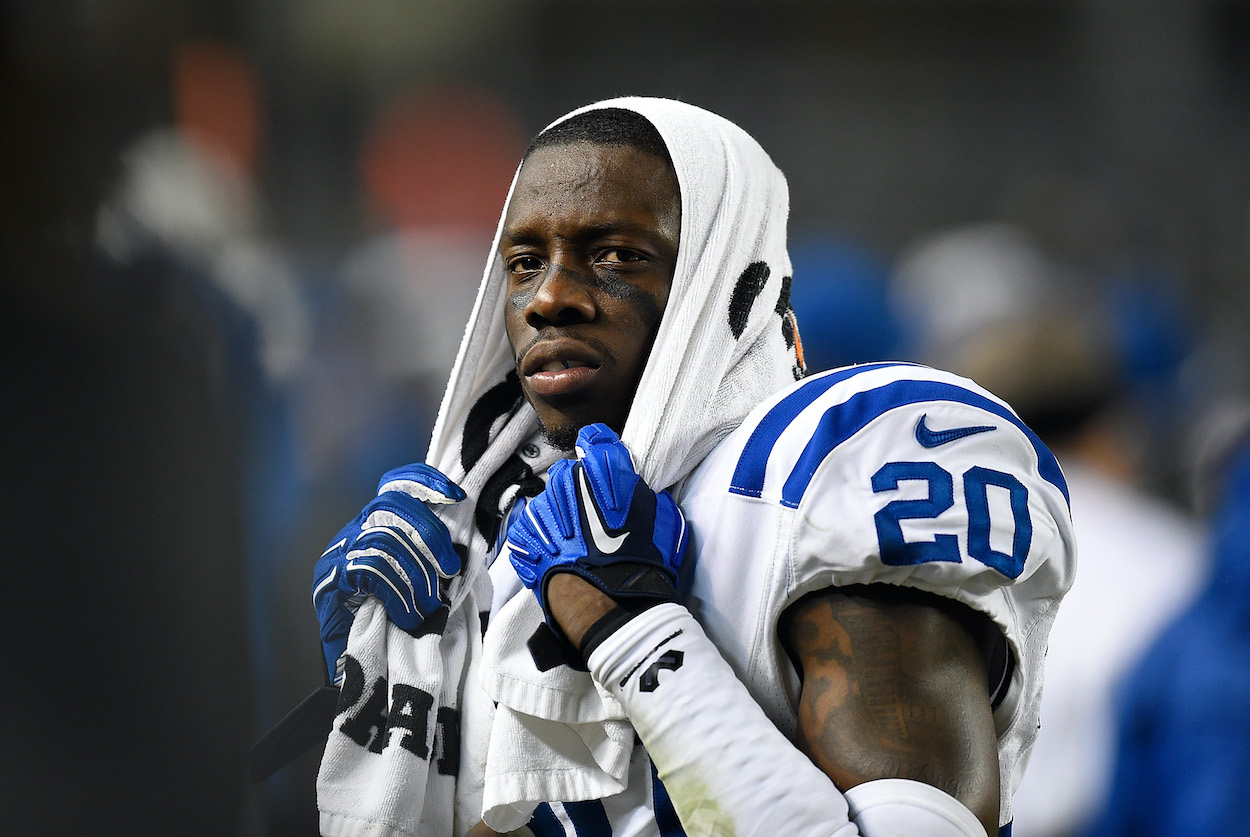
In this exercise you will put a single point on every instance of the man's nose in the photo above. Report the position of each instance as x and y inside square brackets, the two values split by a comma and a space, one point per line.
[563, 297]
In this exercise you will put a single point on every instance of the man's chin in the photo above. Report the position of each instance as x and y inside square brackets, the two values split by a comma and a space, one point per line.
[562, 436]
[560, 425]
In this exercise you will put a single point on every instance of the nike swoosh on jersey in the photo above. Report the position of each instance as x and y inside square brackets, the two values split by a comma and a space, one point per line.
[935, 438]
[846, 402]
[605, 543]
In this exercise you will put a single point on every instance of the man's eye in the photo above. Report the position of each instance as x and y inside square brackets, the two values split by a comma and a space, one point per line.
[619, 254]
[524, 264]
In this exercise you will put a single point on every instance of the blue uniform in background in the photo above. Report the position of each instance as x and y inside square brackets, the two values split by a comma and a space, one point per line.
[1183, 761]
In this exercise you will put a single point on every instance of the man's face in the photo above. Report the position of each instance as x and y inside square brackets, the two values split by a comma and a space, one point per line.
[589, 246]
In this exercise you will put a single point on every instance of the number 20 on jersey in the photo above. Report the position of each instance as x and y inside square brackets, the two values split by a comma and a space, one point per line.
[978, 482]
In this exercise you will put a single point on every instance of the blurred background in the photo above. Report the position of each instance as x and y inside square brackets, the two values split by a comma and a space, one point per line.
[240, 240]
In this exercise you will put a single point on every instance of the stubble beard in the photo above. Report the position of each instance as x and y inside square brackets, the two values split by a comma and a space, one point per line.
[562, 436]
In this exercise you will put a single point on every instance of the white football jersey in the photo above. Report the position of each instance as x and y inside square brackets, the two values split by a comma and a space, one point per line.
[885, 473]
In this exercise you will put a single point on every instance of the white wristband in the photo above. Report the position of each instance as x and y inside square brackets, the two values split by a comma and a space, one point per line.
[727, 768]
[902, 806]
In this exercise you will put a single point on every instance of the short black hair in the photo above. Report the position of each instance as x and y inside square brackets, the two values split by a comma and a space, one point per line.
[605, 126]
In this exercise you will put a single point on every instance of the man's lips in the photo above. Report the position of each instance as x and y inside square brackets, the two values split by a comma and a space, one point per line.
[559, 367]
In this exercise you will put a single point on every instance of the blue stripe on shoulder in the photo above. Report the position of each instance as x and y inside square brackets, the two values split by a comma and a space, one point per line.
[842, 421]
[748, 478]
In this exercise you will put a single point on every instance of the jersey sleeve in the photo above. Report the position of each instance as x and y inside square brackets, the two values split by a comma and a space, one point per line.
[901, 475]
[951, 495]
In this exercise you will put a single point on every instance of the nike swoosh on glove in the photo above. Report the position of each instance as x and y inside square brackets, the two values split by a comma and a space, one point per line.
[395, 550]
[597, 518]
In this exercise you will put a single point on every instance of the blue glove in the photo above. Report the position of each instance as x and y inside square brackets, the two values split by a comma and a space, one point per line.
[396, 550]
[597, 518]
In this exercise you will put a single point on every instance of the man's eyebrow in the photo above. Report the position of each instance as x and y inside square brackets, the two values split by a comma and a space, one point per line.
[517, 236]
[527, 234]
[618, 227]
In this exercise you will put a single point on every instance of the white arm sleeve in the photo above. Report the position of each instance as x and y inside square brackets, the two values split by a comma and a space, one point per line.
[727, 768]
[887, 807]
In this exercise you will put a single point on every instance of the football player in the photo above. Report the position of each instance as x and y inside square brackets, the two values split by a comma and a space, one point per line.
[825, 607]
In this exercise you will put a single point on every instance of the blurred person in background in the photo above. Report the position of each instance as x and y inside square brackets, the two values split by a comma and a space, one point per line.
[1182, 763]
[988, 301]
[433, 166]
[184, 234]
[129, 367]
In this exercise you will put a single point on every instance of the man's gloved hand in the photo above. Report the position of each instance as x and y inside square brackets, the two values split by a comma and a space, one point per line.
[597, 518]
[395, 550]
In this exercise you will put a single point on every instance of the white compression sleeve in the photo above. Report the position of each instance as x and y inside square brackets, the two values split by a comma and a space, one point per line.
[902, 806]
[727, 768]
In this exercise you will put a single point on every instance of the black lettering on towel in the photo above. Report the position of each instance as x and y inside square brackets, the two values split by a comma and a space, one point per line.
[369, 720]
